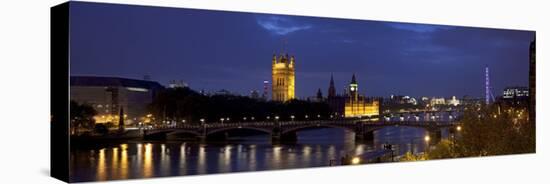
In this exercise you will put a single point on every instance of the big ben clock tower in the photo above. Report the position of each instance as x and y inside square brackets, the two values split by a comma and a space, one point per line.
[353, 88]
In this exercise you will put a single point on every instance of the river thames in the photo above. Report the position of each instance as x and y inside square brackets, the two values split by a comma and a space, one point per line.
[314, 148]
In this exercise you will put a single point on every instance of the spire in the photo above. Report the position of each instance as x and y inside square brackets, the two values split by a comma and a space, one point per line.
[353, 81]
[319, 94]
[121, 119]
[331, 88]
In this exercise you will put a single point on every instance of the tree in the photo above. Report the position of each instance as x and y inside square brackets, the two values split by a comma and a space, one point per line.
[82, 117]
[101, 129]
[489, 130]
[412, 157]
[183, 103]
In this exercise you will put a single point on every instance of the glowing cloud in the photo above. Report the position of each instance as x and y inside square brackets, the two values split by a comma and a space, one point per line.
[280, 25]
[419, 28]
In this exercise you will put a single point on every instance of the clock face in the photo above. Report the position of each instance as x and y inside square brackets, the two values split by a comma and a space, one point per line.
[352, 88]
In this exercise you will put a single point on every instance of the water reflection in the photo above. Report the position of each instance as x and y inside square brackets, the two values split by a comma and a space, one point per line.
[168, 158]
[101, 167]
[148, 161]
[124, 161]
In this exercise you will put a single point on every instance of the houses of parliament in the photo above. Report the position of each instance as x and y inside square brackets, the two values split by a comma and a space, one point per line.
[283, 78]
[350, 104]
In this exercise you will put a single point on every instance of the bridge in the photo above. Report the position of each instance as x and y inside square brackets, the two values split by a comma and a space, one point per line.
[286, 130]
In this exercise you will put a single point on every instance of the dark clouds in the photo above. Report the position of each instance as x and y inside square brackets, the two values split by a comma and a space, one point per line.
[215, 50]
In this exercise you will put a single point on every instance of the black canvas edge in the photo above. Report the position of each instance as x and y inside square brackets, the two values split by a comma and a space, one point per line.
[59, 91]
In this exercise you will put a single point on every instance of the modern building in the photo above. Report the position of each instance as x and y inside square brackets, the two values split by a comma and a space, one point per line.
[517, 97]
[107, 95]
[352, 104]
[266, 90]
[283, 78]
[532, 80]
[515, 92]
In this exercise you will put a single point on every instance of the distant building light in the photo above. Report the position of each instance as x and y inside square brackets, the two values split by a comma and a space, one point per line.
[137, 89]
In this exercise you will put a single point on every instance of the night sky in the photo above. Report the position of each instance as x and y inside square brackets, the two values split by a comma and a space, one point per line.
[215, 50]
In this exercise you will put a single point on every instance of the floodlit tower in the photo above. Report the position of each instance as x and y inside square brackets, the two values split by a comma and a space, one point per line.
[283, 77]
[353, 88]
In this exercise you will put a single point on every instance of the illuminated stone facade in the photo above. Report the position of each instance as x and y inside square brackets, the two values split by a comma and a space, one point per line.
[283, 78]
[357, 105]
[351, 104]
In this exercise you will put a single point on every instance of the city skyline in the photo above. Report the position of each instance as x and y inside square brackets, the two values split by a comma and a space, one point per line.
[158, 92]
[234, 52]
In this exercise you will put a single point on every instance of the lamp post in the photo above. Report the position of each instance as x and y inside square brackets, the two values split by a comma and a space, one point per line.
[221, 119]
[427, 140]
[292, 117]
[389, 147]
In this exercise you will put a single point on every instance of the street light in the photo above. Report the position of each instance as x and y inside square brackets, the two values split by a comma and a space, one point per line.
[458, 128]
[221, 119]
[306, 116]
[292, 117]
[355, 160]
[276, 117]
[427, 140]
[202, 120]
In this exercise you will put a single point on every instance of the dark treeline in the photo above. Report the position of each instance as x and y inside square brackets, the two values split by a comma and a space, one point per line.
[486, 130]
[82, 117]
[179, 104]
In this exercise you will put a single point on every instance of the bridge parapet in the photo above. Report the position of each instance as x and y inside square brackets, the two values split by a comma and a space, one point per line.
[280, 128]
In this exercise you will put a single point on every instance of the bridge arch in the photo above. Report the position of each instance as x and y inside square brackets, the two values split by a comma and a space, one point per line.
[157, 132]
[316, 126]
[219, 130]
[183, 131]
